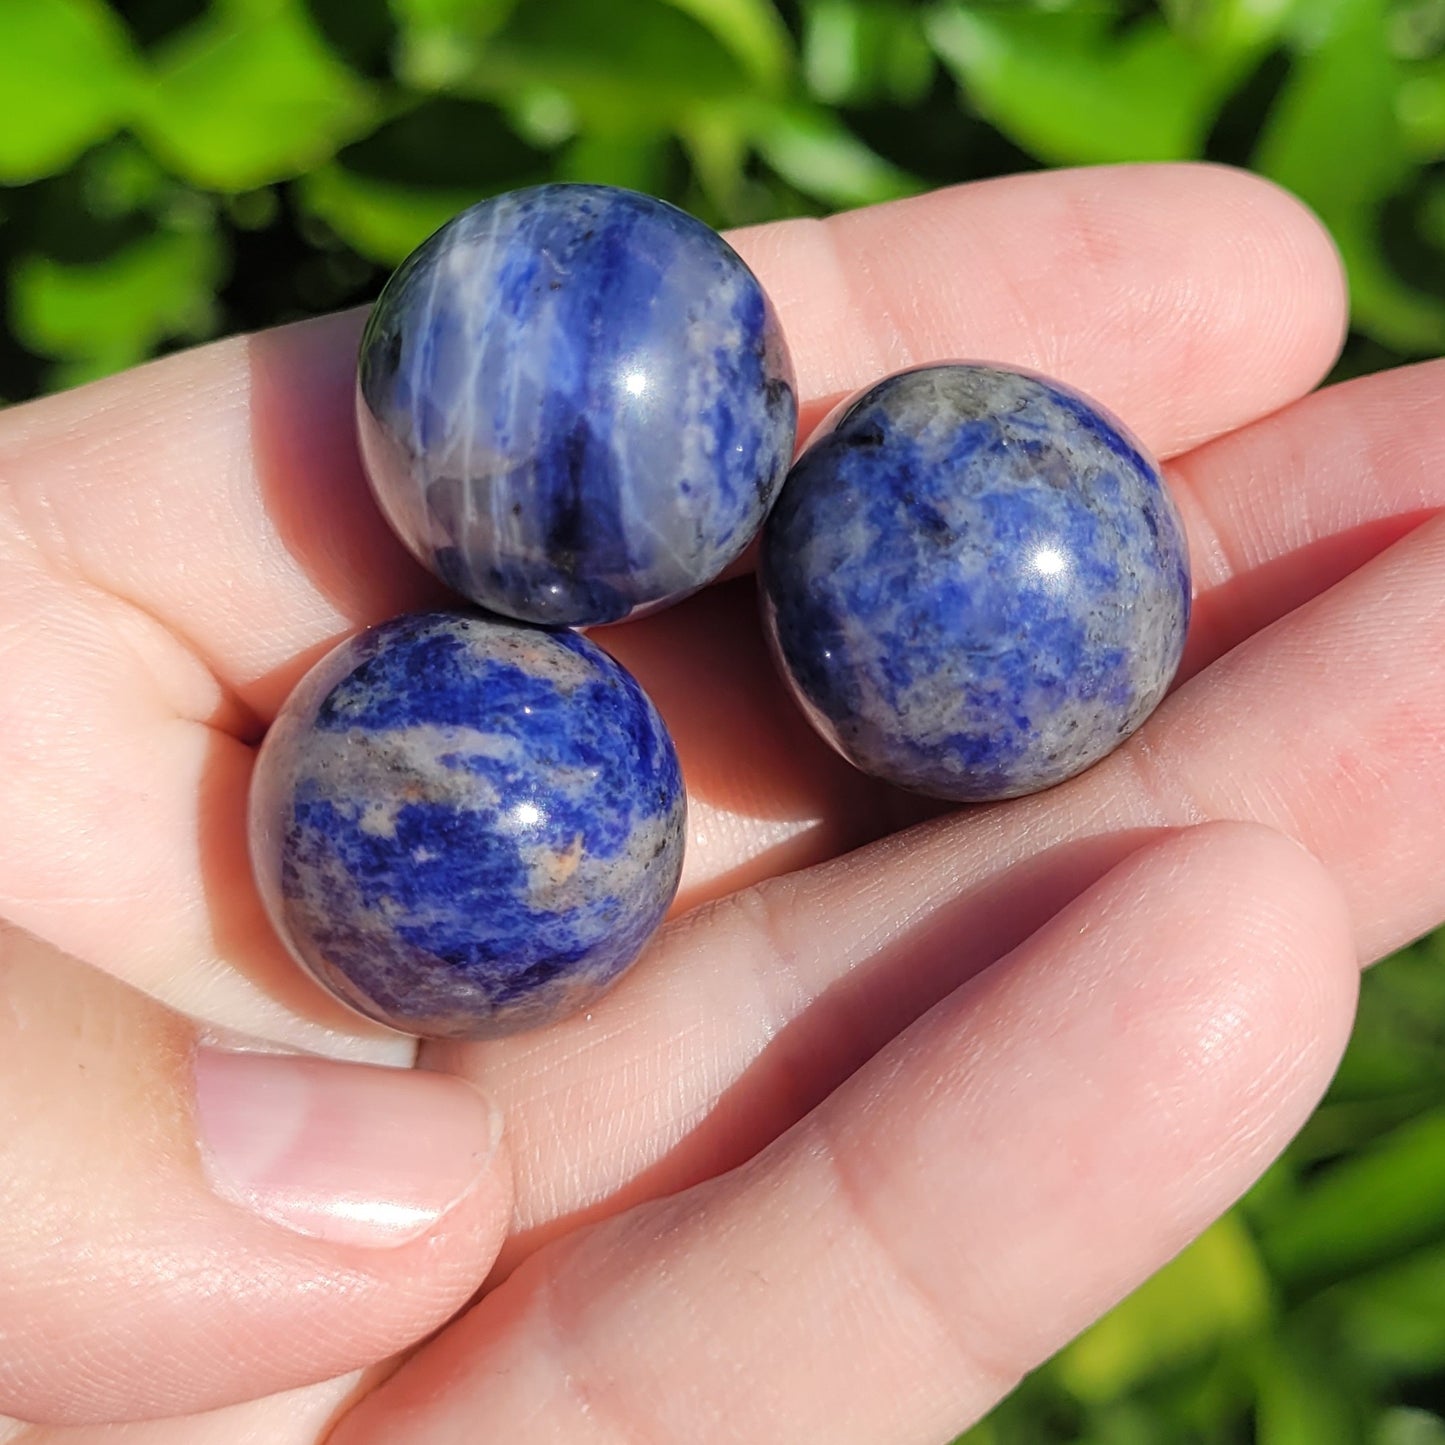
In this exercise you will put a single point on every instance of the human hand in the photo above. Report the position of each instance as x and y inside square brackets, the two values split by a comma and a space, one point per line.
[853, 1146]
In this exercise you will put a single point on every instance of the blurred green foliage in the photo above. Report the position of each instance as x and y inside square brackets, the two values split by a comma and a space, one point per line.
[175, 169]
[1314, 1313]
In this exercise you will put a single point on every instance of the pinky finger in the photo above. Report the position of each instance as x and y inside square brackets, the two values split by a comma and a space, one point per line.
[990, 1183]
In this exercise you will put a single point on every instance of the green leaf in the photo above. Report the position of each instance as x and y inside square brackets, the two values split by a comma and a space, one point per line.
[814, 151]
[388, 192]
[362, 33]
[101, 317]
[628, 69]
[475, 17]
[381, 220]
[1065, 88]
[67, 80]
[448, 143]
[1371, 1207]
[751, 29]
[638, 163]
[1334, 138]
[1392, 1316]
[1417, 28]
[1018, 1419]
[856, 51]
[833, 50]
[1215, 1291]
[248, 95]
[1404, 1426]
[1230, 26]
[120, 179]
[1397, 1048]
[1125, 1422]
[717, 144]
[442, 40]
[1432, 218]
[1420, 107]
[1302, 1398]
[982, 1434]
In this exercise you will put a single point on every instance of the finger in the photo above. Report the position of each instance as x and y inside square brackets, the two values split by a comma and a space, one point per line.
[996, 1179]
[1329, 725]
[133, 853]
[146, 617]
[182, 1228]
[1279, 511]
[765, 794]
[220, 492]
[1275, 513]
[294, 1417]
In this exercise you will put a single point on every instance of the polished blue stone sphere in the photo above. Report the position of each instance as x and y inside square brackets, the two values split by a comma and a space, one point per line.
[574, 402]
[975, 582]
[464, 827]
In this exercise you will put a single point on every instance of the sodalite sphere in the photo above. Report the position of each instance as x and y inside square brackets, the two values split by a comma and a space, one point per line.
[574, 402]
[975, 582]
[464, 827]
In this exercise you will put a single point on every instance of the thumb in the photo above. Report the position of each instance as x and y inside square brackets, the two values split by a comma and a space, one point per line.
[182, 1227]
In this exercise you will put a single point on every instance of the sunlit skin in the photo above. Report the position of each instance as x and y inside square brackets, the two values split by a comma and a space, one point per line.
[897, 1103]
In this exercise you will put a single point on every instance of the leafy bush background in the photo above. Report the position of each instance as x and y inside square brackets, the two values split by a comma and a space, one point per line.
[177, 169]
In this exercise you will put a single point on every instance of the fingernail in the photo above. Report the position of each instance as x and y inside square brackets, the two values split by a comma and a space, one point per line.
[348, 1153]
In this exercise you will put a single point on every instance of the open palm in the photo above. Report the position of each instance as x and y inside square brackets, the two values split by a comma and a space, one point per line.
[899, 1101]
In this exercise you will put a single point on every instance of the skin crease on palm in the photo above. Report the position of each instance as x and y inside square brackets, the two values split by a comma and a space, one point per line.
[901, 1099]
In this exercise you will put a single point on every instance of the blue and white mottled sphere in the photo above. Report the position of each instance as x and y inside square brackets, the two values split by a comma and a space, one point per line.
[975, 582]
[575, 402]
[464, 827]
